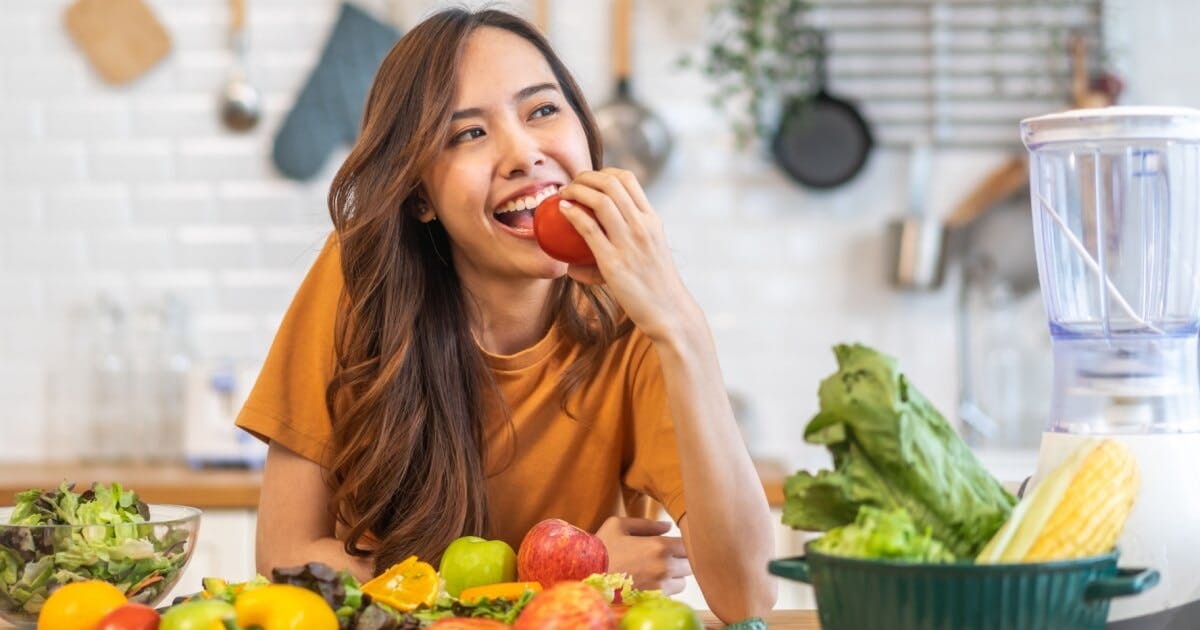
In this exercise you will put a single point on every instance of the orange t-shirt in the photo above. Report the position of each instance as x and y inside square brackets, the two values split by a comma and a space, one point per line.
[621, 444]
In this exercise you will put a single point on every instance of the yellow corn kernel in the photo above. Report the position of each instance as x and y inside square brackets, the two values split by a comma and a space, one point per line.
[1094, 508]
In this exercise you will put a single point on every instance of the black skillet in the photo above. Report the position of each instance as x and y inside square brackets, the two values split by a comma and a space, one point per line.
[822, 141]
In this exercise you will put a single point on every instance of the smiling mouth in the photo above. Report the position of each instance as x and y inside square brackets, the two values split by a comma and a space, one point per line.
[518, 213]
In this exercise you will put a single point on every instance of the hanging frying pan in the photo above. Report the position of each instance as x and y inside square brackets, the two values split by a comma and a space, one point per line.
[634, 138]
[823, 142]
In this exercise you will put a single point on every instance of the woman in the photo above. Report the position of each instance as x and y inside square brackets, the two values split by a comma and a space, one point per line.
[438, 375]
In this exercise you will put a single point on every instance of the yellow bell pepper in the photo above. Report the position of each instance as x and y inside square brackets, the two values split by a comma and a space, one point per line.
[284, 607]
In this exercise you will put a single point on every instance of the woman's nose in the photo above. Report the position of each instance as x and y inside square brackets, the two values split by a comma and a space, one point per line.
[520, 153]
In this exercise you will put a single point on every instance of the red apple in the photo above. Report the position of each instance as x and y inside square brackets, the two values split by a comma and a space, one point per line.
[556, 551]
[568, 606]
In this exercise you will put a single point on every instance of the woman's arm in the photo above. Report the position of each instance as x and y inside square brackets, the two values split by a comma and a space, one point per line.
[727, 528]
[294, 524]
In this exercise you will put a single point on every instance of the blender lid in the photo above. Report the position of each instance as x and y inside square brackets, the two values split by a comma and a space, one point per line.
[1113, 123]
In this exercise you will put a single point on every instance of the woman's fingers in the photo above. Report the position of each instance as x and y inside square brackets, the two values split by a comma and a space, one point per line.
[611, 182]
[610, 217]
[678, 568]
[588, 228]
[585, 274]
[633, 187]
[635, 526]
[673, 586]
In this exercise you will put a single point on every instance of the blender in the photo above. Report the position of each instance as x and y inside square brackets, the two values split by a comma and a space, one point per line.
[1116, 218]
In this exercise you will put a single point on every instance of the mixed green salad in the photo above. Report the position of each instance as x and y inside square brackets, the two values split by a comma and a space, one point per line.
[108, 539]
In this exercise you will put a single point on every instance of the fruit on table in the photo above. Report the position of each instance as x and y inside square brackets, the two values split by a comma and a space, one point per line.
[468, 623]
[1078, 510]
[212, 614]
[511, 591]
[405, 586]
[557, 237]
[131, 616]
[472, 561]
[567, 606]
[284, 607]
[661, 614]
[79, 605]
[557, 551]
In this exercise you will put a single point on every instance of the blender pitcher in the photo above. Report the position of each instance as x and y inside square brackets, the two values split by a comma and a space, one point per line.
[1116, 218]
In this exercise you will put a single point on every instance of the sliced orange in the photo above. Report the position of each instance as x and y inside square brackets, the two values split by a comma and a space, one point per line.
[406, 586]
[511, 591]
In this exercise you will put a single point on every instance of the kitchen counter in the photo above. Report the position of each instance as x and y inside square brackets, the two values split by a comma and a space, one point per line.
[155, 483]
[777, 620]
[210, 488]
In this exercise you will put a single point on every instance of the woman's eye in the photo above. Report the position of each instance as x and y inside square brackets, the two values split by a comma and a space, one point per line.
[469, 134]
[545, 110]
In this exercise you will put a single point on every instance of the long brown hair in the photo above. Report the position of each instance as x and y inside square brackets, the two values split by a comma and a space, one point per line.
[407, 394]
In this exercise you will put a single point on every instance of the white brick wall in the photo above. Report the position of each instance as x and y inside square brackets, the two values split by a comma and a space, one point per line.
[137, 190]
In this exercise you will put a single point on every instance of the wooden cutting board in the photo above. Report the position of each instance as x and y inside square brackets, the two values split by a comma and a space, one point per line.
[121, 38]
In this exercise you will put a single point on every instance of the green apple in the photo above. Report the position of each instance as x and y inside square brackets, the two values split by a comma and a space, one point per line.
[472, 561]
[661, 614]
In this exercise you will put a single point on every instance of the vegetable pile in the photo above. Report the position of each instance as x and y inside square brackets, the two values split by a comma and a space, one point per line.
[906, 487]
[108, 541]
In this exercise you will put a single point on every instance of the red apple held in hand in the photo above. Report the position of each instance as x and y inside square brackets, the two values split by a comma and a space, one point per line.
[556, 551]
[568, 606]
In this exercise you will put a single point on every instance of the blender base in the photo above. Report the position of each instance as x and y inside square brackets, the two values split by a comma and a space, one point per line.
[1161, 530]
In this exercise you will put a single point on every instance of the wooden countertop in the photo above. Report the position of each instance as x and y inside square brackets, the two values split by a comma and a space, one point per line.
[776, 620]
[210, 488]
[155, 483]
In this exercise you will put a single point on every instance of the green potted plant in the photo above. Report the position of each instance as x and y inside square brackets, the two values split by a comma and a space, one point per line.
[760, 55]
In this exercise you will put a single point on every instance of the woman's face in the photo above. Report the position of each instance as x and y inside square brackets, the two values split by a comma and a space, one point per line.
[513, 140]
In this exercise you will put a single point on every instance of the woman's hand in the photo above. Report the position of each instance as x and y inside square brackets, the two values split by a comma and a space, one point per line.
[637, 546]
[632, 256]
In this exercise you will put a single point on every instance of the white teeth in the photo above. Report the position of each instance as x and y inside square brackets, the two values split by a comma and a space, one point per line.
[529, 202]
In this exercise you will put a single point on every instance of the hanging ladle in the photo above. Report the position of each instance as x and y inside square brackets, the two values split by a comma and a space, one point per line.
[240, 108]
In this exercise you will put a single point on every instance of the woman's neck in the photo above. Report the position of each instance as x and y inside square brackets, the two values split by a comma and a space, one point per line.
[508, 316]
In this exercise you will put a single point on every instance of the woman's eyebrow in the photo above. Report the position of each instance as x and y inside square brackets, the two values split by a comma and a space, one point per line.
[521, 95]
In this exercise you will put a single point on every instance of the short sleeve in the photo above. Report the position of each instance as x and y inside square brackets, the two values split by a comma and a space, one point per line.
[287, 402]
[654, 469]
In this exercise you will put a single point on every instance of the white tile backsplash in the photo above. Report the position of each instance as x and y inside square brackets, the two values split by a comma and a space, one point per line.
[136, 190]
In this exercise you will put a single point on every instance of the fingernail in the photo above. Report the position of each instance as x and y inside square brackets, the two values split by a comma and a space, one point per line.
[563, 203]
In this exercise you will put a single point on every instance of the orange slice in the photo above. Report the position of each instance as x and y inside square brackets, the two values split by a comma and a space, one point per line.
[406, 586]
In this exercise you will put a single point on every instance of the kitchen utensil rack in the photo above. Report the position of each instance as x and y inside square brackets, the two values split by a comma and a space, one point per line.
[960, 72]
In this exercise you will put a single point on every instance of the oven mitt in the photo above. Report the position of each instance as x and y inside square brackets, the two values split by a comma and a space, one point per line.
[328, 111]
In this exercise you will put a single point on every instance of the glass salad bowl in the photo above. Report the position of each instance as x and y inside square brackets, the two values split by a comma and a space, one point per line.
[142, 559]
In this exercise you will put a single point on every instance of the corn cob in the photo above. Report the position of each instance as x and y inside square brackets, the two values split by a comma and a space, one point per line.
[1078, 510]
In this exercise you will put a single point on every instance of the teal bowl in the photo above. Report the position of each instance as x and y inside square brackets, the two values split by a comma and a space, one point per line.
[862, 594]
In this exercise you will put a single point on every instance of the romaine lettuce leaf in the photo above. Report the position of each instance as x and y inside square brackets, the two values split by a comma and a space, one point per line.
[892, 449]
[888, 534]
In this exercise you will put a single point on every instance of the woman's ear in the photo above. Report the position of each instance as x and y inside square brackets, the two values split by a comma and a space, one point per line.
[425, 212]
